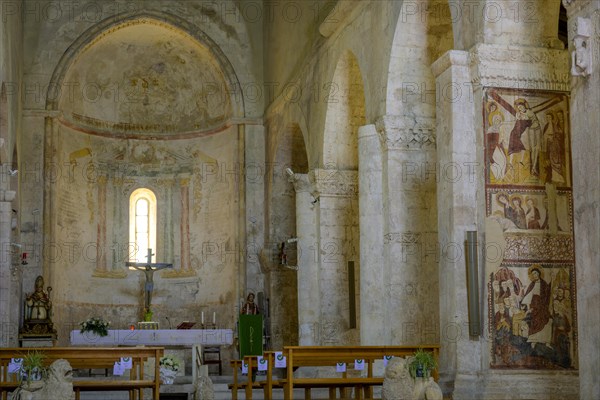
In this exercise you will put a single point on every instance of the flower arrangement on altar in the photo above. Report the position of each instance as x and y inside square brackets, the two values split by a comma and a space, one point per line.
[95, 325]
[169, 362]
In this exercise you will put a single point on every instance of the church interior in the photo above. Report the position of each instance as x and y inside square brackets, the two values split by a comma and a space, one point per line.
[374, 172]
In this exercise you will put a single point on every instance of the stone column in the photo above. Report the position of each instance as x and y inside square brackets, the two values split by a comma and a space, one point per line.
[101, 247]
[457, 213]
[185, 225]
[372, 281]
[308, 265]
[584, 19]
[169, 234]
[337, 194]
[410, 226]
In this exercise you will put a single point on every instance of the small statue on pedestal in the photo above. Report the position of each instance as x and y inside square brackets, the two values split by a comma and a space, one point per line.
[38, 311]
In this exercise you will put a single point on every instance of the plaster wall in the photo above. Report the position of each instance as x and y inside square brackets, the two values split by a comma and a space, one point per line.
[89, 277]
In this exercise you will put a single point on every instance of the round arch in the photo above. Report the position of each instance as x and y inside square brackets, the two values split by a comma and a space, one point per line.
[345, 114]
[161, 18]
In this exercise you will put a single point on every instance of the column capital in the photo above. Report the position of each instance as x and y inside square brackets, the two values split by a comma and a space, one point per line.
[334, 183]
[398, 132]
[522, 67]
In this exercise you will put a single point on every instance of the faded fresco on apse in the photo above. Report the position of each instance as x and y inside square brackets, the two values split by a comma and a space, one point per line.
[531, 286]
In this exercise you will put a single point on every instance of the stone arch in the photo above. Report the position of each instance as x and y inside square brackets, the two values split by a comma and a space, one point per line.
[428, 28]
[287, 149]
[146, 16]
[345, 114]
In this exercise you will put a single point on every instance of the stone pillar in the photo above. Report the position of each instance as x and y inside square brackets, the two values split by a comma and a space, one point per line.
[457, 213]
[308, 262]
[251, 276]
[10, 299]
[337, 194]
[410, 226]
[465, 202]
[585, 120]
[372, 278]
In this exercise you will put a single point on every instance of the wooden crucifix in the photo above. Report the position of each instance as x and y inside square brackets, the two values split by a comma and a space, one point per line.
[148, 269]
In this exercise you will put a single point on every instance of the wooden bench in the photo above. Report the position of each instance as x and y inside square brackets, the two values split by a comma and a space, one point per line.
[248, 384]
[322, 356]
[91, 358]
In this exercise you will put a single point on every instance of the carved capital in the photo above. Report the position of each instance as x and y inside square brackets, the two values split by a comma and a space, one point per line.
[338, 183]
[405, 133]
[520, 67]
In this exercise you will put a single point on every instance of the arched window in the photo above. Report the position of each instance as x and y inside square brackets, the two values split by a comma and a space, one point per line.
[142, 224]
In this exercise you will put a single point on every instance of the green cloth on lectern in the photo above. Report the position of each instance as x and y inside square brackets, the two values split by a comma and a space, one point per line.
[250, 335]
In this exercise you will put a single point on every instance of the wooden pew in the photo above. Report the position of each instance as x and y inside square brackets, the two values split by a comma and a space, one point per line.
[92, 357]
[320, 356]
[247, 384]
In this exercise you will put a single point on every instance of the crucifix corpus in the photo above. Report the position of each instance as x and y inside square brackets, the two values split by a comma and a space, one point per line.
[148, 269]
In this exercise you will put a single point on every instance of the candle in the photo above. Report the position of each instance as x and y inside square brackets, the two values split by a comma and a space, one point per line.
[214, 317]
[202, 318]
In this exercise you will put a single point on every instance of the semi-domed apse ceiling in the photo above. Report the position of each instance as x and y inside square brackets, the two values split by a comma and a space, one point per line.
[142, 79]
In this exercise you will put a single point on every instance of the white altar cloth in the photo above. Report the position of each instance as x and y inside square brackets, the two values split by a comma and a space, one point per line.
[156, 337]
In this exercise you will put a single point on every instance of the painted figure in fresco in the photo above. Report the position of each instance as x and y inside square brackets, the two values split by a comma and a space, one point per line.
[532, 214]
[250, 307]
[547, 138]
[504, 201]
[561, 327]
[528, 127]
[506, 285]
[537, 299]
[527, 123]
[556, 149]
[495, 142]
[518, 213]
[38, 304]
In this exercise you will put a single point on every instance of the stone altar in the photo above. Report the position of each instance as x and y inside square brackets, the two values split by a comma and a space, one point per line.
[155, 337]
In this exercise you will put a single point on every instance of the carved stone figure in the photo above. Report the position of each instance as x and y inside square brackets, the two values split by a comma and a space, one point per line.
[58, 386]
[204, 389]
[399, 385]
[581, 58]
